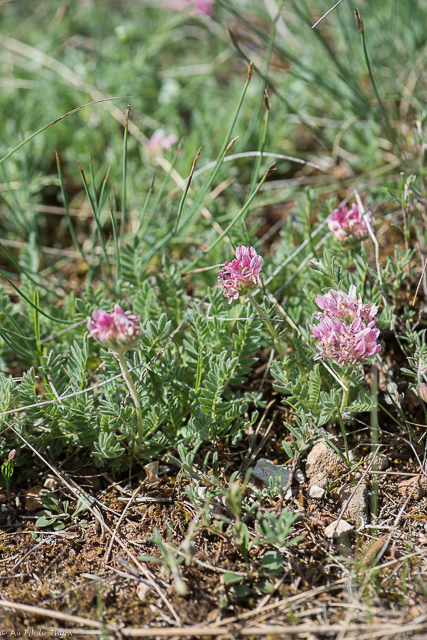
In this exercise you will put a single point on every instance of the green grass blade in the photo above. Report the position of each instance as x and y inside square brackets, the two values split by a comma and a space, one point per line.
[125, 156]
[19, 292]
[261, 144]
[21, 269]
[95, 212]
[239, 216]
[116, 248]
[13, 345]
[67, 211]
[33, 135]
[187, 187]
[264, 96]
[224, 149]
[36, 299]
[144, 219]
[92, 179]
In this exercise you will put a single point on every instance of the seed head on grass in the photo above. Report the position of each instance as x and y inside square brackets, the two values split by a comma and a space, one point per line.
[346, 329]
[118, 330]
[348, 224]
[242, 274]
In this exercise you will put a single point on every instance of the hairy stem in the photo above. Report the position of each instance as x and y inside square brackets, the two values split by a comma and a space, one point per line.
[269, 325]
[344, 402]
[132, 391]
[345, 393]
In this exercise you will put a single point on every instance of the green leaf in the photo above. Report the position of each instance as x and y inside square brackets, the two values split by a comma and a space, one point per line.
[50, 502]
[242, 591]
[232, 578]
[314, 387]
[44, 521]
[83, 503]
[149, 559]
[272, 562]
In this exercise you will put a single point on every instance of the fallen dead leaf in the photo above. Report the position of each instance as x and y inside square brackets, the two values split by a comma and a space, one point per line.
[32, 498]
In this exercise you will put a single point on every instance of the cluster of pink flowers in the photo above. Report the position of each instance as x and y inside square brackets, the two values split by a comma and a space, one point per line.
[241, 275]
[118, 330]
[348, 224]
[159, 141]
[345, 331]
[346, 307]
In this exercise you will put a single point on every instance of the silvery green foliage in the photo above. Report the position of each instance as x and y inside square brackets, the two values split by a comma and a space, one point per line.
[188, 387]
[417, 359]
[303, 392]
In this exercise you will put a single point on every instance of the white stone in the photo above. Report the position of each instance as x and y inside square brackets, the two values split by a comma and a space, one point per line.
[383, 462]
[51, 484]
[152, 471]
[317, 492]
[265, 469]
[299, 476]
[337, 528]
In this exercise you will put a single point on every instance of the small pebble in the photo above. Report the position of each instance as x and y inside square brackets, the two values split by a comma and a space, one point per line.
[51, 484]
[317, 492]
[265, 469]
[323, 465]
[299, 476]
[383, 462]
[337, 528]
[356, 500]
[414, 488]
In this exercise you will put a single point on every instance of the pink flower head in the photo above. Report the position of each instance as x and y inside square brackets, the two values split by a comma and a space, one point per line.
[160, 141]
[349, 224]
[241, 275]
[337, 304]
[117, 329]
[347, 344]
[345, 331]
[198, 6]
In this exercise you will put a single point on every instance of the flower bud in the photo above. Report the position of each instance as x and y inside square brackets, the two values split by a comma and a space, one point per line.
[422, 391]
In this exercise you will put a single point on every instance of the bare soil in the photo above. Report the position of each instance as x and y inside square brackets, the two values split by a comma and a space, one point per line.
[373, 578]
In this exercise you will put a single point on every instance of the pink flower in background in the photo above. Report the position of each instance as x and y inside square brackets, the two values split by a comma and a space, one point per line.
[337, 304]
[349, 224]
[345, 331]
[347, 344]
[241, 275]
[198, 6]
[117, 329]
[159, 141]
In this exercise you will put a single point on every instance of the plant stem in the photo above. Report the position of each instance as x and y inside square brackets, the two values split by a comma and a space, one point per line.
[374, 440]
[269, 325]
[132, 391]
[125, 156]
[346, 391]
[344, 435]
[344, 402]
